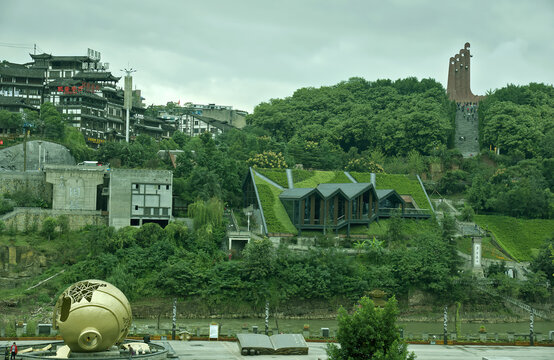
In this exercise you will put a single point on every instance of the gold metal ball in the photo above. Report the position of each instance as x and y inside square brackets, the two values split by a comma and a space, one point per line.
[92, 315]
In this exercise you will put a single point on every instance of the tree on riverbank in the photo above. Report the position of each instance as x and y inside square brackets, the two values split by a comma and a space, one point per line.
[369, 333]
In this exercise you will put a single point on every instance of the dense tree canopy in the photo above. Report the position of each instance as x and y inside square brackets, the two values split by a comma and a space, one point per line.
[10, 121]
[394, 117]
[519, 120]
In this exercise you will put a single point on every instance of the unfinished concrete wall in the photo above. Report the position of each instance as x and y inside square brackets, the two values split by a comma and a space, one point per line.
[232, 117]
[74, 188]
[139, 195]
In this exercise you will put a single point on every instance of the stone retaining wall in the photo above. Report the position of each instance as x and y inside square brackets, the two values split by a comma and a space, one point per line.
[30, 181]
[24, 219]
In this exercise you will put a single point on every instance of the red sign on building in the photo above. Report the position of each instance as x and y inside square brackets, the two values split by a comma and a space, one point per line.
[85, 87]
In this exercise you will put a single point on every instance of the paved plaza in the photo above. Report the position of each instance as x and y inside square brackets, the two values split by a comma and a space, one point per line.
[223, 350]
[229, 350]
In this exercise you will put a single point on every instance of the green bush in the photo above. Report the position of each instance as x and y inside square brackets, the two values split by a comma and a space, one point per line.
[5, 205]
[467, 213]
[369, 332]
[24, 198]
[49, 227]
[31, 328]
[43, 298]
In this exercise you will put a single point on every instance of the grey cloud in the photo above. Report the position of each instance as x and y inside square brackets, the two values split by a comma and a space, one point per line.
[243, 52]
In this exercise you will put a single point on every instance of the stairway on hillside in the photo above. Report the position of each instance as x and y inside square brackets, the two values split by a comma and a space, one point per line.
[467, 132]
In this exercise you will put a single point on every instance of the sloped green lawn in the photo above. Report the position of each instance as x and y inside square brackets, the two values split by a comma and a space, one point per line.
[488, 250]
[276, 217]
[318, 177]
[340, 178]
[277, 175]
[403, 184]
[521, 238]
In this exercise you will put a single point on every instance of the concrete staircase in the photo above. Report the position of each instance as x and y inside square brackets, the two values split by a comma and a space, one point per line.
[467, 132]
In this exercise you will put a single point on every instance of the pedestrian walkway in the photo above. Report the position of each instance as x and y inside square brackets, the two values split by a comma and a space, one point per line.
[467, 130]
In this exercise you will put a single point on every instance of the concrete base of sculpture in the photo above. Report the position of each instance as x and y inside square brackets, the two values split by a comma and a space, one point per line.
[58, 350]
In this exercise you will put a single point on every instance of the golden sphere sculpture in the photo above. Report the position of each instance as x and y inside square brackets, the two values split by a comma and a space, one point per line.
[92, 315]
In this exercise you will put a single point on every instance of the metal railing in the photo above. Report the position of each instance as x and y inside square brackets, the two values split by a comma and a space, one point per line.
[413, 213]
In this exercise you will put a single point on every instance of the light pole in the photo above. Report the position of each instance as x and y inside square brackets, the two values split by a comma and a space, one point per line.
[128, 98]
[249, 213]
[39, 151]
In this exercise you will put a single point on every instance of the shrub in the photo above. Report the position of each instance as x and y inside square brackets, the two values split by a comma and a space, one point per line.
[369, 333]
[268, 159]
[48, 227]
[364, 165]
[467, 213]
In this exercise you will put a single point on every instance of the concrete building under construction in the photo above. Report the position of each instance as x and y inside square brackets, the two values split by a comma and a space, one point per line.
[92, 195]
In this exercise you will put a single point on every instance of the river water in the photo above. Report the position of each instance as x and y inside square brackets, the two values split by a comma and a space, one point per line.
[411, 329]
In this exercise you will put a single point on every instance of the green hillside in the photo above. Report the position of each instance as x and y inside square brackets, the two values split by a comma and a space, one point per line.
[521, 238]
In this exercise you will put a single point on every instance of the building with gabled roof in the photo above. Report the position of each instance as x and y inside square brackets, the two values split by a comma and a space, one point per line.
[331, 206]
[327, 200]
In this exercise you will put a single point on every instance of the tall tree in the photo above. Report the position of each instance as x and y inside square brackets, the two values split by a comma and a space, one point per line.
[53, 121]
[369, 333]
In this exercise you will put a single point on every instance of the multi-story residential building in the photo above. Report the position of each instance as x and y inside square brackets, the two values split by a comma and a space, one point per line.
[223, 113]
[195, 125]
[82, 89]
[21, 84]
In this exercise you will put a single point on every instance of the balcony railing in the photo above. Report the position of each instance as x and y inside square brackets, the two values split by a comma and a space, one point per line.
[407, 213]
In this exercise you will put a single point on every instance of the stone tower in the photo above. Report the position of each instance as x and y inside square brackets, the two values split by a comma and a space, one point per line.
[459, 68]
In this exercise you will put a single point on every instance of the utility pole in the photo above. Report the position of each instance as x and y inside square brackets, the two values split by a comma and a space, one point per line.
[25, 129]
[267, 317]
[531, 323]
[128, 99]
[445, 325]
[174, 318]
[39, 151]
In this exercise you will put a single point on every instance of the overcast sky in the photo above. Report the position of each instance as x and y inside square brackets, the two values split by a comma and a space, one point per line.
[240, 53]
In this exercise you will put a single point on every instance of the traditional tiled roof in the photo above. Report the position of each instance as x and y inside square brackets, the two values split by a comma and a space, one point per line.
[151, 128]
[10, 100]
[152, 120]
[63, 82]
[96, 76]
[20, 71]
[51, 57]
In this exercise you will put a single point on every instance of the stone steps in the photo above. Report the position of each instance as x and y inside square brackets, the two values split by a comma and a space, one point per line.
[467, 133]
